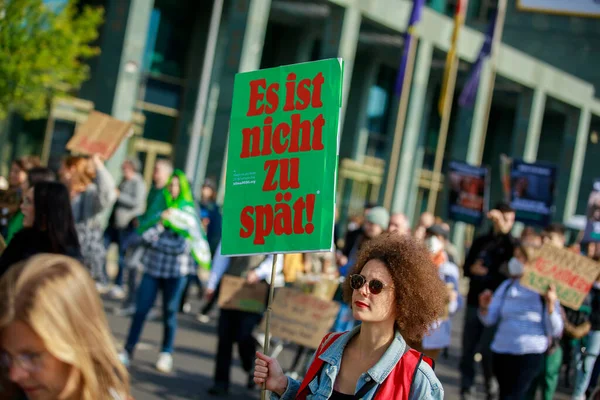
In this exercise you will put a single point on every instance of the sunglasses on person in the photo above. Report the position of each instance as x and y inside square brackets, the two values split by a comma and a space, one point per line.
[375, 285]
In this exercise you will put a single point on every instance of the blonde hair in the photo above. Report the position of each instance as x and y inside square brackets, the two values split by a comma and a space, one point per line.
[55, 296]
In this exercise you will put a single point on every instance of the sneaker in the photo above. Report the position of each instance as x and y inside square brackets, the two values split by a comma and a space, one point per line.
[205, 319]
[165, 363]
[187, 308]
[117, 293]
[124, 358]
[102, 288]
[125, 311]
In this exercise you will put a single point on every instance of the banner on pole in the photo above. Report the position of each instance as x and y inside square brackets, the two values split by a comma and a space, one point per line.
[571, 273]
[592, 227]
[469, 192]
[282, 159]
[532, 192]
[301, 318]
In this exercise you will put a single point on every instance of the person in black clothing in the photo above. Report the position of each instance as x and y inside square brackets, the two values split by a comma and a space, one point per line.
[487, 255]
[48, 226]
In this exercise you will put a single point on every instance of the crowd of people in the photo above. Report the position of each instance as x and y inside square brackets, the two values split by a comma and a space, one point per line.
[398, 287]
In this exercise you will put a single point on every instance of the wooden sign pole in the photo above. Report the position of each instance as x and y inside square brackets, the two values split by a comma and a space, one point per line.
[263, 394]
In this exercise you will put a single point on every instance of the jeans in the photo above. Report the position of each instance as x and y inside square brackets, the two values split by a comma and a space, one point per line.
[123, 238]
[235, 327]
[191, 279]
[547, 380]
[476, 338]
[595, 375]
[585, 364]
[146, 295]
[516, 373]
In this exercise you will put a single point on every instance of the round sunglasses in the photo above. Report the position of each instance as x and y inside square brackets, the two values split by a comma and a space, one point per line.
[375, 285]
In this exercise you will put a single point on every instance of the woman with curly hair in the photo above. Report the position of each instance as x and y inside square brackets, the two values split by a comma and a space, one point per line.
[395, 292]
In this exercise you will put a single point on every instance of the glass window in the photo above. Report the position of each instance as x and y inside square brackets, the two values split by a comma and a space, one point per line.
[167, 42]
[159, 126]
[162, 93]
[378, 112]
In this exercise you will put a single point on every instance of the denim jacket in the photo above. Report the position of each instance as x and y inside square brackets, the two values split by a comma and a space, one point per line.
[425, 386]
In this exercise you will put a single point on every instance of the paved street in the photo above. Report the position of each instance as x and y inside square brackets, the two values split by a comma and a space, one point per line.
[196, 349]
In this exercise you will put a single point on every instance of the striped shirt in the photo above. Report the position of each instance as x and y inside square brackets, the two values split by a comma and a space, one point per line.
[524, 325]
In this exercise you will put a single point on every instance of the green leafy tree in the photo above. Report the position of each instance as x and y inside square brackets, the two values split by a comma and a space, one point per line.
[43, 48]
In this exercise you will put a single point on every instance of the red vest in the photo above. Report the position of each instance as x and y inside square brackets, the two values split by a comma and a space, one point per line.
[396, 386]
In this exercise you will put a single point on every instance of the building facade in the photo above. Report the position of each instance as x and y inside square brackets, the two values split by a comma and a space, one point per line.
[170, 66]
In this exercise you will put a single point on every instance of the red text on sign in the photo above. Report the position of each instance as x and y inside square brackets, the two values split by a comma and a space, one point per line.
[282, 219]
[258, 92]
[300, 135]
[288, 174]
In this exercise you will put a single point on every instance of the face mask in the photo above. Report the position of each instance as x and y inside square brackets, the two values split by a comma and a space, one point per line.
[515, 267]
[434, 244]
[352, 226]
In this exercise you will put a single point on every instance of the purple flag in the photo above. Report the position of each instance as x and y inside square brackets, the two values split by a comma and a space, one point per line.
[415, 17]
[469, 92]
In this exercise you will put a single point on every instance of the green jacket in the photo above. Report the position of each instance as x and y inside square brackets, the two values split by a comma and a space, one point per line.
[14, 225]
[183, 218]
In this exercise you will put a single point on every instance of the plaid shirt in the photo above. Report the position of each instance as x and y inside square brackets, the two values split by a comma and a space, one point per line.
[167, 254]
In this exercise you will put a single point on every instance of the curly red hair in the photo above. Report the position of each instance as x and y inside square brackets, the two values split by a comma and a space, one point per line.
[420, 295]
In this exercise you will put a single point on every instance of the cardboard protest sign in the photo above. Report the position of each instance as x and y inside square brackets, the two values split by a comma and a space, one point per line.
[469, 192]
[236, 294]
[571, 273]
[99, 134]
[592, 228]
[282, 159]
[532, 192]
[301, 318]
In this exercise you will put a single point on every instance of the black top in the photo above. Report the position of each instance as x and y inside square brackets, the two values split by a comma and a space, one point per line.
[595, 304]
[341, 396]
[494, 250]
[29, 242]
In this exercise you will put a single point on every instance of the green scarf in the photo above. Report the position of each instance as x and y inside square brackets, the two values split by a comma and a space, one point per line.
[183, 218]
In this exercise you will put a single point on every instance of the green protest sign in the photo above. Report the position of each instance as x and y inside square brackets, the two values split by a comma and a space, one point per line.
[282, 159]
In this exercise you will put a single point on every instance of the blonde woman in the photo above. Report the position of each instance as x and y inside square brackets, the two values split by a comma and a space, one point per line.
[54, 338]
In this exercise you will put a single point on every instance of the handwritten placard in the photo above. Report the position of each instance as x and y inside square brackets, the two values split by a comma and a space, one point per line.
[301, 318]
[572, 274]
[237, 294]
[100, 134]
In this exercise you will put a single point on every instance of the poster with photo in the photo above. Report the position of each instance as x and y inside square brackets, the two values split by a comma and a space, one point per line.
[468, 192]
[532, 191]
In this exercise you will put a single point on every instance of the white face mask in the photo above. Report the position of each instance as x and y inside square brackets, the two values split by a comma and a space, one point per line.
[434, 244]
[515, 267]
